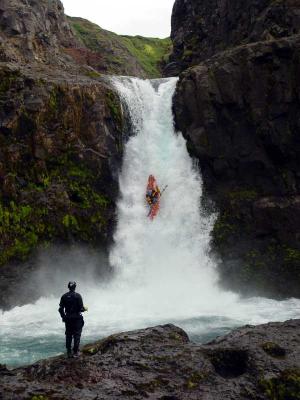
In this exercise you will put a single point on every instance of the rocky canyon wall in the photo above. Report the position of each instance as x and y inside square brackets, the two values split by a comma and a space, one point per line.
[61, 141]
[239, 110]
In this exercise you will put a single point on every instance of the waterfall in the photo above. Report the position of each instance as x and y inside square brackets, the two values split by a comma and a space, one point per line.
[167, 256]
[163, 270]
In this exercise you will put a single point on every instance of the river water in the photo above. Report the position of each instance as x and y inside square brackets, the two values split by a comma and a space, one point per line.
[163, 271]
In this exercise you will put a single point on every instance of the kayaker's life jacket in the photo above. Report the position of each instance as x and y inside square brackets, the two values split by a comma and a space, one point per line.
[152, 196]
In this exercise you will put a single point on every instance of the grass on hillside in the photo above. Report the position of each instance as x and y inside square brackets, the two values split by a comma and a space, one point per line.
[149, 52]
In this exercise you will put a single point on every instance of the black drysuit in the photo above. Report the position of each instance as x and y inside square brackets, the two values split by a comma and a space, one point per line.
[70, 309]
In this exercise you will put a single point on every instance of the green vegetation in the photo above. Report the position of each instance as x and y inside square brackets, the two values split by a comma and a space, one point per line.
[243, 195]
[7, 79]
[52, 179]
[292, 256]
[286, 386]
[223, 229]
[39, 397]
[120, 53]
[114, 106]
[20, 227]
[273, 349]
[102, 346]
[150, 52]
[74, 208]
[92, 74]
[194, 380]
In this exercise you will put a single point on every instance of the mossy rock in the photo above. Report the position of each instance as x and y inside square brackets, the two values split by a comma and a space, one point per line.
[285, 386]
[101, 346]
[223, 229]
[195, 379]
[274, 350]
[114, 106]
[8, 78]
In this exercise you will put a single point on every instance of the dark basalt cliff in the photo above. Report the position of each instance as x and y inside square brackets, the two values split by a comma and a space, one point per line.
[61, 139]
[239, 111]
[202, 28]
[258, 363]
[34, 31]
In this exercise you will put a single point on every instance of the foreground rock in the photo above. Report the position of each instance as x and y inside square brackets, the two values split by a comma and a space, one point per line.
[161, 363]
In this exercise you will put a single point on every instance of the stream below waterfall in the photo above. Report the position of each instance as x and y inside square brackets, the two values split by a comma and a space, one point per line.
[163, 271]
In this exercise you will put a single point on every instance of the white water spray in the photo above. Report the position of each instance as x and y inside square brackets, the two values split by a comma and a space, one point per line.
[167, 257]
[163, 270]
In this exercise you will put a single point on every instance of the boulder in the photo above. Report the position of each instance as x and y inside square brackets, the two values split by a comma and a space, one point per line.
[161, 363]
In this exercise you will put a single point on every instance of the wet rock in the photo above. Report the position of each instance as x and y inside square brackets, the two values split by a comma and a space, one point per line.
[203, 28]
[61, 148]
[239, 112]
[161, 363]
[34, 31]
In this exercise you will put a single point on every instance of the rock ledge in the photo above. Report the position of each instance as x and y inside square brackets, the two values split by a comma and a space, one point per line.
[161, 363]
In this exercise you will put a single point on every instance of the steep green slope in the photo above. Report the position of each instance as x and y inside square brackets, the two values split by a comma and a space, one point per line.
[124, 55]
[150, 52]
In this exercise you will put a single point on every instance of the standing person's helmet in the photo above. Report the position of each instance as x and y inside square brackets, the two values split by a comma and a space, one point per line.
[72, 286]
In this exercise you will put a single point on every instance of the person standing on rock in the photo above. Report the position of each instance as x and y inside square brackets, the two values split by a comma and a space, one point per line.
[70, 309]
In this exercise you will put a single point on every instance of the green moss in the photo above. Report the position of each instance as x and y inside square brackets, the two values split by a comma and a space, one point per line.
[292, 255]
[150, 52]
[223, 228]
[101, 346]
[285, 386]
[254, 257]
[114, 105]
[187, 53]
[58, 196]
[194, 380]
[175, 336]
[7, 79]
[25, 226]
[243, 195]
[70, 222]
[273, 349]
[92, 74]
[54, 100]
[20, 227]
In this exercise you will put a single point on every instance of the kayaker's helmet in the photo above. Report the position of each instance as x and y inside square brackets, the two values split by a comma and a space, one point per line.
[151, 179]
[72, 286]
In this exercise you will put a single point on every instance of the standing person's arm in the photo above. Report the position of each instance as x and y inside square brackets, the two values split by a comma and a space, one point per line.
[61, 309]
[80, 303]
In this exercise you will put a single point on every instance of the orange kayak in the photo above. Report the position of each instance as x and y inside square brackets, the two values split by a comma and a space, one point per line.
[152, 186]
[154, 210]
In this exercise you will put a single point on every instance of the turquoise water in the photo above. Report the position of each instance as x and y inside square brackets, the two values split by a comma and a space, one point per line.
[18, 351]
